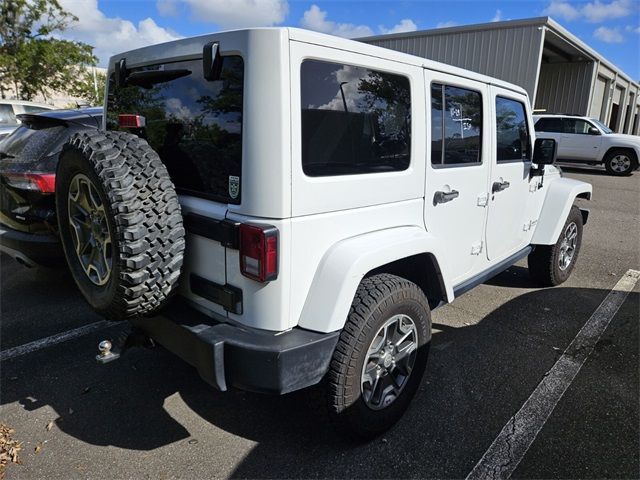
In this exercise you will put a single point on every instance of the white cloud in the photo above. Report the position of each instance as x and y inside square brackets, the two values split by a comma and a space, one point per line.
[597, 11]
[448, 24]
[238, 13]
[608, 35]
[498, 16]
[405, 25]
[562, 9]
[316, 19]
[593, 12]
[111, 35]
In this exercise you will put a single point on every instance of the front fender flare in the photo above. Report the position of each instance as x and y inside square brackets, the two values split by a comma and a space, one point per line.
[560, 197]
[348, 261]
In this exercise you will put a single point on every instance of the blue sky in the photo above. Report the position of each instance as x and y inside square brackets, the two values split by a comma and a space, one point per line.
[612, 27]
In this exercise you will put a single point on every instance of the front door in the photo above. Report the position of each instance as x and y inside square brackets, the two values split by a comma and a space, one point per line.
[511, 189]
[577, 143]
[457, 169]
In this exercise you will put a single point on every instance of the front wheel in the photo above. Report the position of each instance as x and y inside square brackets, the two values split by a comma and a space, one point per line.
[551, 265]
[380, 358]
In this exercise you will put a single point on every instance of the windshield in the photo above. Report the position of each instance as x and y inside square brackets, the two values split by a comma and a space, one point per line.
[602, 126]
[195, 125]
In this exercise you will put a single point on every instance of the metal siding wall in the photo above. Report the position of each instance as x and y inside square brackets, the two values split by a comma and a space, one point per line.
[564, 87]
[510, 54]
[597, 104]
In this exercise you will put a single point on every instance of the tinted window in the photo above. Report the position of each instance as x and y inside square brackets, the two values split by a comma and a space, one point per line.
[354, 120]
[26, 144]
[6, 114]
[576, 126]
[456, 125]
[513, 140]
[195, 125]
[549, 125]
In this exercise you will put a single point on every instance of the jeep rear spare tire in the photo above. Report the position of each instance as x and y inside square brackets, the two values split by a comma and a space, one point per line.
[120, 223]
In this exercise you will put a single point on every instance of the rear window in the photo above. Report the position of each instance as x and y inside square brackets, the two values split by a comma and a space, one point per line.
[354, 120]
[194, 124]
[26, 144]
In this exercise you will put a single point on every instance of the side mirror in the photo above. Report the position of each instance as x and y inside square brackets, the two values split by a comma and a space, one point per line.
[594, 131]
[545, 151]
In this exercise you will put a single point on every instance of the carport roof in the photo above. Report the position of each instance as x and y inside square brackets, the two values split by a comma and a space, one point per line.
[560, 33]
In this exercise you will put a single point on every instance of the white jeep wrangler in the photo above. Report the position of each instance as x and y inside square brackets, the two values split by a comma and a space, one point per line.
[309, 200]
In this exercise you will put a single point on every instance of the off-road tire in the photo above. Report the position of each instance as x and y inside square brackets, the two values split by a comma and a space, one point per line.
[143, 215]
[543, 262]
[611, 155]
[377, 299]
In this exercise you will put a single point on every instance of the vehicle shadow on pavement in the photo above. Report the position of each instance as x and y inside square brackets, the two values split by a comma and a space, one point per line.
[478, 376]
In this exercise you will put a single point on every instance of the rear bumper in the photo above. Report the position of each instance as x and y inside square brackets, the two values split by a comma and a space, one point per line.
[31, 249]
[249, 359]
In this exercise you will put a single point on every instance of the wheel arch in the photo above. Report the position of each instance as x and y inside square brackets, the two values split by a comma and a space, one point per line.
[629, 149]
[557, 203]
[396, 250]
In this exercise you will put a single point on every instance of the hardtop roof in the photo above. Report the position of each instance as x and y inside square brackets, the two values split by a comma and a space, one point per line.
[188, 47]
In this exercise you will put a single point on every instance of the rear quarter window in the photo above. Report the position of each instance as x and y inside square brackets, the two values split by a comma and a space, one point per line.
[195, 125]
[354, 120]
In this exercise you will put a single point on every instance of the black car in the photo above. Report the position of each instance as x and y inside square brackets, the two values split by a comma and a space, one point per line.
[28, 162]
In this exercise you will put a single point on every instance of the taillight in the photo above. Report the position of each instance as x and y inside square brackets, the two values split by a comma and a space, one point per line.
[42, 182]
[126, 120]
[259, 252]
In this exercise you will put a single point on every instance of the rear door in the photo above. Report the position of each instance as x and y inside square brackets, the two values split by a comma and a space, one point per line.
[195, 125]
[511, 188]
[457, 169]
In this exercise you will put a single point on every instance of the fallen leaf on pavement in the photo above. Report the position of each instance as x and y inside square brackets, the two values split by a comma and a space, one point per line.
[9, 448]
[49, 426]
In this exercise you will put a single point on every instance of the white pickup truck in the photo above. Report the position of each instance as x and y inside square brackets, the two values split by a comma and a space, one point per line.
[282, 208]
[587, 140]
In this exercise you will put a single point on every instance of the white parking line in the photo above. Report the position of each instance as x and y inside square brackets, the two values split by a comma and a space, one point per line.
[512, 443]
[53, 340]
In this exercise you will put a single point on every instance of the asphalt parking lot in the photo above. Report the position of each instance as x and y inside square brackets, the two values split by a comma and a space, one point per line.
[148, 415]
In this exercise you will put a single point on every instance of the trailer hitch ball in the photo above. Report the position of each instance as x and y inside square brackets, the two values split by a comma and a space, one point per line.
[106, 355]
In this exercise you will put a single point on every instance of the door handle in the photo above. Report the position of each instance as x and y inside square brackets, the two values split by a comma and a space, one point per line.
[499, 186]
[444, 197]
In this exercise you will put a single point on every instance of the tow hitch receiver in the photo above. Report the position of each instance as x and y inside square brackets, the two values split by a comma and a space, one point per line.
[128, 339]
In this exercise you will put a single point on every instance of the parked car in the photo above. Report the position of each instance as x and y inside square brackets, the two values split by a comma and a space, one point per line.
[28, 162]
[587, 140]
[310, 200]
[10, 109]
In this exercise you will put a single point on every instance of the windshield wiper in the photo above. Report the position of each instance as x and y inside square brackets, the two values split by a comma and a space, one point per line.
[147, 79]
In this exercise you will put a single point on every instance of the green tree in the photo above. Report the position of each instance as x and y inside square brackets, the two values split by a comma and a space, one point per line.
[32, 60]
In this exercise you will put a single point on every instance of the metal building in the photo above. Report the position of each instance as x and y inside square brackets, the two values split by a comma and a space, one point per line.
[560, 72]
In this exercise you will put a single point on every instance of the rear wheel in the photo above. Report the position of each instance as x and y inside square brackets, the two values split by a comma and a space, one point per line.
[551, 265]
[120, 223]
[620, 162]
[380, 357]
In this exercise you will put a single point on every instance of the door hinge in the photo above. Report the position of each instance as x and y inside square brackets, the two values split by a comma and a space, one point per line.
[476, 248]
[483, 200]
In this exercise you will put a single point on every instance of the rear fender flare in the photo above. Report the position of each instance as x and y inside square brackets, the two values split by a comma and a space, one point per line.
[348, 261]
